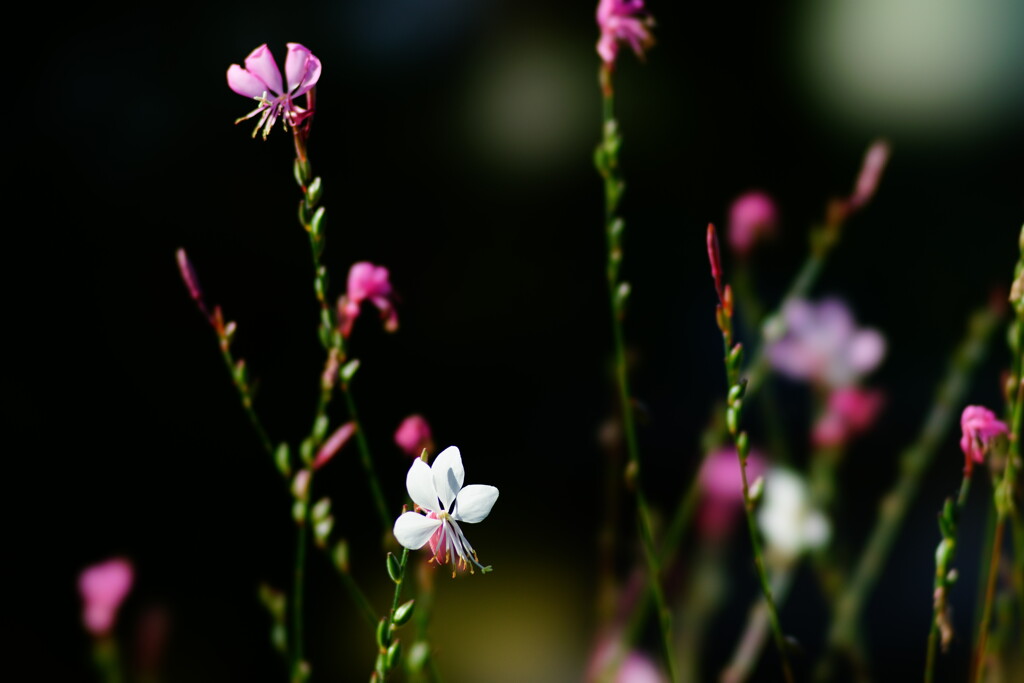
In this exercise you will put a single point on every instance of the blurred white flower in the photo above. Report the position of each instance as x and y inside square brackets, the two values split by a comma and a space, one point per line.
[789, 524]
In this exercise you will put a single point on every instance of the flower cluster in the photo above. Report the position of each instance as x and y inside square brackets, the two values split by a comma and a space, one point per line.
[623, 21]
[438, 492]
[261, 80]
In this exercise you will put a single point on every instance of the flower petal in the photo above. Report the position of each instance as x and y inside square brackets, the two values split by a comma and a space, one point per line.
[474, 503]
[260, 63]
[421, 485]
[244, 83]
[448, 475]
[413, 530]
[301, 68]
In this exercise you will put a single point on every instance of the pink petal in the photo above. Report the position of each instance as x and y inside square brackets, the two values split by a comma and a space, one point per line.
[244, 83]
[301, 68]
[260, 63]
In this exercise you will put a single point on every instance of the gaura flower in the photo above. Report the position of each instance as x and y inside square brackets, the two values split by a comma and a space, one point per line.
[823, 345]
[789, 524]
[261, 80]
[980, 427]
[103, 588]
[367, 282]
[623, 20]
[413, 435]
[752, 216]
[438, 492]
[851, 411]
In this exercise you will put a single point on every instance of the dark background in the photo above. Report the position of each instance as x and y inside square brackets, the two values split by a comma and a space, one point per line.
[454, 139]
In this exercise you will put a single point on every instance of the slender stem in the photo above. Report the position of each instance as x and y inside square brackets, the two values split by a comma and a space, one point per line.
[367, 461]
[843, 634]
[107, 659]
[990, 591]
[749, 647]
[607, 164]
[359, 597]
[298, 589]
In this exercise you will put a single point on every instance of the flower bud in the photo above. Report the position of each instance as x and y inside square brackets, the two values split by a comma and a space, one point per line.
[394, 568]
[404, 612]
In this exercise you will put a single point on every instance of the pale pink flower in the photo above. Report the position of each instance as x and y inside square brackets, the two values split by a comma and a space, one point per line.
[334, 444]
[635, 667]
[438, 492]
[875, 160]
[722, 485]
[103, 588]
[367, 282]
[980, 427]
[751, 217]
[638, 668]
[413, 435]
[623, 21]
[823, 345]
[851, 411]
[261, 80]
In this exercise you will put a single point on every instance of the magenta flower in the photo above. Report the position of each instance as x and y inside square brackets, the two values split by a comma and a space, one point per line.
[823, 345]
[103, 588]
[851, 411]
[367, 282]
[751, 217]
[261, 80]
[413, 435]
[623, 21]
[980, 427]
[722, 485]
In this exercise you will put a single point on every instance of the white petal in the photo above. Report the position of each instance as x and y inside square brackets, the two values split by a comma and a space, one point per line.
[448, 475]
[413, 530]
[474, 503]
[421, 485]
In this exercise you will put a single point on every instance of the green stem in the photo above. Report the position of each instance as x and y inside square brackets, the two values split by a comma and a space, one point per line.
[843, 634]
[244, 392]
[367, 462]
[607, 163]
[298, 588]
[990, 591]
[749, 647]
[107, 660]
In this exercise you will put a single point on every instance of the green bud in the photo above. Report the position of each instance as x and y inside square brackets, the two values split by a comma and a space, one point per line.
[279, 637]
[322, 531]
[303, 214]
[743, 445]
[302, 171]
[383, 633]
[621, 294]
[952, 576]
[944, 553]
[404, 612]
[616, 229]
[283, 460]
[320, 428]
[394, 568]
[273, 600]
[316, 224]
[306, 451]
[418, 655]
[313, 191]
[348, 370]
[732, 419]
[380, 666]
[735, 359]
[1003, 498]
[394, 654]
[736, 391]
[299, 512]
[756, 490]
[321, 509]
[341, 556]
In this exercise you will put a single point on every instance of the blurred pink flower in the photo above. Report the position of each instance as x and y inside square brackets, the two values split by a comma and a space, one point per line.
[103, 588]
[722, 485]
[980, 427]
[623, 20]
[822, 344]
[413, 435]
[635, 667]
[367, 282]
[851, 411]
[334, 444]
[875, 160]
[751, 217]
[261, 80]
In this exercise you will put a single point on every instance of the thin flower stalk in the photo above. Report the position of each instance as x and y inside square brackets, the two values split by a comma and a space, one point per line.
[749, 647]
[389, 648]
[844, 634]
[607, 162]
[1007, 488]
[733, 360]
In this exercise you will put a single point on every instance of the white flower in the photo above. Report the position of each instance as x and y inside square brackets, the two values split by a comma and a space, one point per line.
[789, 524]
[437, 490]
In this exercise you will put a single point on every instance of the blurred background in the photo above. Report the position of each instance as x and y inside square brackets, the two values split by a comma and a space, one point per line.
[455, 142]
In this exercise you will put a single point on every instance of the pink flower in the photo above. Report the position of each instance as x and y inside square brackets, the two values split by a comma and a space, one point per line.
[622, 20]
[413, 435]
[752, 216]
[334, 444]
[103, 588]
[870, 175]
[980, 427]
[822, 344]
[634, 667]
[367, 282]
[261, 80]
[722, 485]
[851, 411]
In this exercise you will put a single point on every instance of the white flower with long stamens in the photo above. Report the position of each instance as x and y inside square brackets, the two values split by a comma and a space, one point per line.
[437, 491]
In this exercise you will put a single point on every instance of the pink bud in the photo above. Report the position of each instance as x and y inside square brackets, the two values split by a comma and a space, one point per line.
[300, 484]
[870, 175]
[751, 217]
[413, 435]
[851, 411]
[103, 588]
[979, 426]
[715, 257]
[334, 444]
